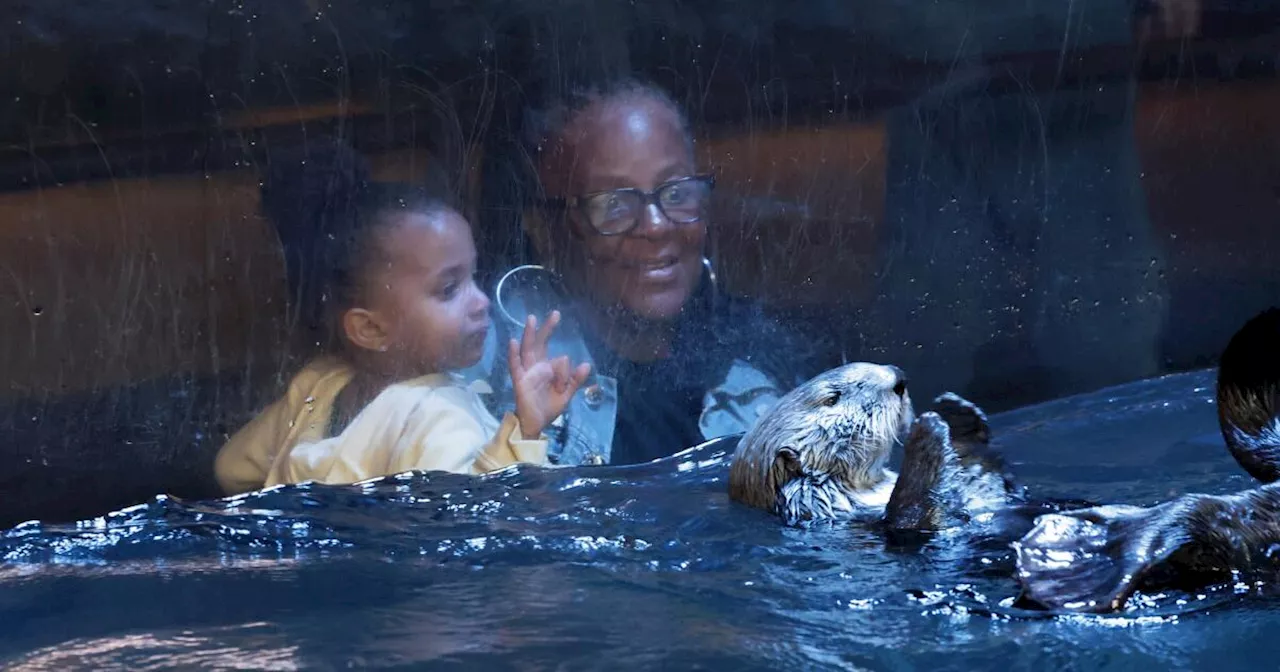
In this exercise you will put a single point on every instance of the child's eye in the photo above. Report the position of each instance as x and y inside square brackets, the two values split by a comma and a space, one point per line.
[451, 289]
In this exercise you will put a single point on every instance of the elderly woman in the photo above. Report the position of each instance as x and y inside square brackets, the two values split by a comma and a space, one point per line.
[619, 227]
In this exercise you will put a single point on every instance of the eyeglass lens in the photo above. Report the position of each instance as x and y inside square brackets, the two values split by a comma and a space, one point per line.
[619, 210]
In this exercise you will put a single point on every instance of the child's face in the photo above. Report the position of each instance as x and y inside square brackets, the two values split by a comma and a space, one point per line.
[432, 315]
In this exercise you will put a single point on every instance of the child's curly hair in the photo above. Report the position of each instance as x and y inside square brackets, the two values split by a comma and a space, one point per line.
[328, 211]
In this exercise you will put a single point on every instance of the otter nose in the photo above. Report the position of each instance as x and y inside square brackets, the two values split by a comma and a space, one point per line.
[899, 380]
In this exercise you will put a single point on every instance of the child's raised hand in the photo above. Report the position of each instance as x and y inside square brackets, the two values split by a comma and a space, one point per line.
[543, 388]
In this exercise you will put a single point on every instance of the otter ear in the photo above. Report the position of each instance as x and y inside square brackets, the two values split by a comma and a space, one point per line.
[789, 458]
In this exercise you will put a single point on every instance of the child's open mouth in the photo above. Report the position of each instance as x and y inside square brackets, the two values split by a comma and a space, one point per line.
[475, 340]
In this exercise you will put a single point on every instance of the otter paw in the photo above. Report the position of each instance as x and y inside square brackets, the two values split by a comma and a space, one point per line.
[1092, 560]
[922, 498]
[967, 422]
[928, 445]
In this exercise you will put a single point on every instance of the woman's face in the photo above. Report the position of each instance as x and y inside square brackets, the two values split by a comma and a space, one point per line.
[634, 142]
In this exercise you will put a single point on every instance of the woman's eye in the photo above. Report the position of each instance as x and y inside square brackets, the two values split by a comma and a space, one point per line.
[615, 206]
[674, 195]
[608, 207]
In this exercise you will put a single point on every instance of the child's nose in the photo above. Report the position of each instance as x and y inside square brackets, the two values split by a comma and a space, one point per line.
[479, 301]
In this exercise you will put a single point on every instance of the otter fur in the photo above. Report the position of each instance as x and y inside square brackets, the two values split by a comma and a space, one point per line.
[1092, 560]
[821, 454]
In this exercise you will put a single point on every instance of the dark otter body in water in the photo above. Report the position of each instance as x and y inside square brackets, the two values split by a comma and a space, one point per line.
[1093, 559]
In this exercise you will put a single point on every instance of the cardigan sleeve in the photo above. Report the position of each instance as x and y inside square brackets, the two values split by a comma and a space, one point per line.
[405, 430]
[243, 462]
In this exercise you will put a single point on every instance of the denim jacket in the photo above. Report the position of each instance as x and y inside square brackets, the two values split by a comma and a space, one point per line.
[584, 432]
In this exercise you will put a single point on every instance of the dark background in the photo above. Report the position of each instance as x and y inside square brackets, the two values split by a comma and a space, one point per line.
[1016, 204]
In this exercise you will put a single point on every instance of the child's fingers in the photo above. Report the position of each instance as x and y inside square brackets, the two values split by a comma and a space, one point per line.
[544, 334]
[514, 362]
[580, 374]
[574, 380]
[560, 369]
[552, 320]
[526, 342]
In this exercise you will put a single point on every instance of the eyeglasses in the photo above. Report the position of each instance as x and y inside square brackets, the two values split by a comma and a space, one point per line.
[617, 211]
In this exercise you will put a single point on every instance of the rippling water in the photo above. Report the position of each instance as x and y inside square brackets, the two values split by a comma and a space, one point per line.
[618, 567]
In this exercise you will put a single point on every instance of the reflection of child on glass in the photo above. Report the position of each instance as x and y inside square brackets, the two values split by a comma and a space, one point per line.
[390, 272]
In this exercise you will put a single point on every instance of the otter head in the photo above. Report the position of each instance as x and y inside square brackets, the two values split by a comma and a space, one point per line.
[830, 438]
[1249, 395]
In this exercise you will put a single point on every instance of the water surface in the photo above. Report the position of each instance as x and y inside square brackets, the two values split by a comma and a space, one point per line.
[619, 567]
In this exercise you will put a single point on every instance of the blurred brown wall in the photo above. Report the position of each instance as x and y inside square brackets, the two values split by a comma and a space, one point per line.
[119, 281]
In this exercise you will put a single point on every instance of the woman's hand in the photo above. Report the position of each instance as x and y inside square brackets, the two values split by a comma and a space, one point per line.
[543, 388]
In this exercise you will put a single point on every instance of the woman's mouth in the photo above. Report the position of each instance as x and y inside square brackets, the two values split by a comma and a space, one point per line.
[656, 270]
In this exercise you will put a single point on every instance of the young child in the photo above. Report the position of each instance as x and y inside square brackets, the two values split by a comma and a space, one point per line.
[390, 272]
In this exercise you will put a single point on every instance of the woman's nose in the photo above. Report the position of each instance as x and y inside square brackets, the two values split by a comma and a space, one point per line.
[653, 221]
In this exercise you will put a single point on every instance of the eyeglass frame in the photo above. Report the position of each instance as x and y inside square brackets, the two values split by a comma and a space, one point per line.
[646, 198]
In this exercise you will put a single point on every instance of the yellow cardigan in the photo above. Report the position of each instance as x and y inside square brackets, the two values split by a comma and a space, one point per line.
[434, 422]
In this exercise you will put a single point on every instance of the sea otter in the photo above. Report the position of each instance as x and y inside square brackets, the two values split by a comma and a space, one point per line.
[821, 454]
[1092, 560]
